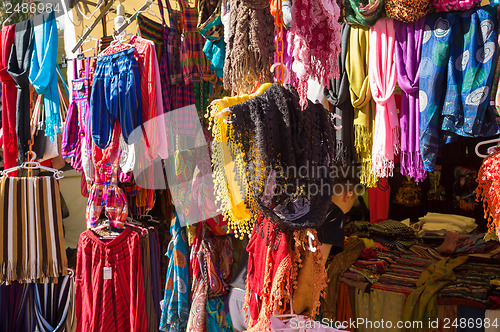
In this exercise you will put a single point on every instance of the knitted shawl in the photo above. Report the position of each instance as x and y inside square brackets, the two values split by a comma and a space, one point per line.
[363, 12]
[275, 135]
[408, 47]
[488, 189]
[361, 99]
[43, 74]
[382, 73]
[338, 95]
[316, 42]
[250, 45]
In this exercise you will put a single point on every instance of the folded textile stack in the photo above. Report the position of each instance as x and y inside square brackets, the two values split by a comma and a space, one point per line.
[393, 234]
[439, 224]
[370, 270]
[465, 244]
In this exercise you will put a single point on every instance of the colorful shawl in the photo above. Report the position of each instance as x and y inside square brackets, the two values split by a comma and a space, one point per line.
[338, 95]
[382, 73]
[43, 70]
[488, 189]
[363, 12]
[210, 26]
[407, 11]
[458, 54]
[408, 47]
[316, 42]
[361, 99]
[175, 305]
[454, 5]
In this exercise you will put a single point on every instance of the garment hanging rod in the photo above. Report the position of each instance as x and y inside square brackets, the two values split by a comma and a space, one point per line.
[133, 17]
[92, 26]
[112, 10]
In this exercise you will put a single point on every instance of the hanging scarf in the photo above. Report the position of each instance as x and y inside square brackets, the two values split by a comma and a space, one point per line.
[363, 12]
[175, 305]
[464, 45]
[361, 99]
[408, 48]
[316, 42]
[454, 5]
[210, 26]
[16, 301]
[382, 73]
[19, 66]
[488, 189]
[407, 11]
[9, 91]
[43, 74]
[250, 45]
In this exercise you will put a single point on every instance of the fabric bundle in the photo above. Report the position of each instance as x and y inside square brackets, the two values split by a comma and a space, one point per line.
[408, 47]
[363, 12]
[382, 73]
[361, 99]
[338, 95]
[277, 139]
[458, 53]
[408, 11]
[316, 34]
[249, 53]
[32, 231]
[453, 5]
[488, 189]
[43, 75]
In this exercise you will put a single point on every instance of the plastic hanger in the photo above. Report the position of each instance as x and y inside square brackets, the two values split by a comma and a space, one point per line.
[150, 12]
[490, 150]
[32, 164]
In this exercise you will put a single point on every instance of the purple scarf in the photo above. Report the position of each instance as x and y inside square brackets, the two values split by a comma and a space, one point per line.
[408, 47]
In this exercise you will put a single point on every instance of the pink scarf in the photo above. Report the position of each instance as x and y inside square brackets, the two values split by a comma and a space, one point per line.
[382, 73]
[316, 33]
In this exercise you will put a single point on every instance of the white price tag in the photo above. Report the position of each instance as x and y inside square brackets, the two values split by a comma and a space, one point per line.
[108, 273]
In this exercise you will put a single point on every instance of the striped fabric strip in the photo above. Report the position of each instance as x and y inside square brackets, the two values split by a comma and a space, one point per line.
[33, 247]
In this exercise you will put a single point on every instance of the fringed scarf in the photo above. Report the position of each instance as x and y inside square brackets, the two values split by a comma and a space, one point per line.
[364, 12]
[408, 47]
[43, 70]
[361, 99]
[316, 42]
[250, 46]
[488, 189]
[338, 95]
[457, 71]
[382, 73]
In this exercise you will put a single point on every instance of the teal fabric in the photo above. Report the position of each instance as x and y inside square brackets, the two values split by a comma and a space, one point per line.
[218, 317]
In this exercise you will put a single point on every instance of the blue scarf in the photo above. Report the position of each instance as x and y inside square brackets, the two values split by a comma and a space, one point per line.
[43, 74]
[175, 305]
[456, 74]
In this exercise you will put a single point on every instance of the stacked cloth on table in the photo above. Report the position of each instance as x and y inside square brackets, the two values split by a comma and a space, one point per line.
[393, 234]
[472, 286]
[370, 269]
[403, 274]
[439, 223]
[465, 244]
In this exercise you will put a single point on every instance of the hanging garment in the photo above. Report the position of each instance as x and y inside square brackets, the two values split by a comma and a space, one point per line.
[175, 305]
[453, 5]
[116, 95]
[363, 12]
[43, 74]
[16, 301]
[170, 61]
[460, 59]
[109, 279]
[408, 48]
[248, 52]
[338, 95]
[8, 100]
[71, 138]
[361, 99]
[19, 68]
[379, 198]
[382, 74]
[316, 43]
[487, 190]
[219, 318]
[55, 306]
[195, 66]
[210, 26]
[151, 30]
[407, 11]
[32, 231]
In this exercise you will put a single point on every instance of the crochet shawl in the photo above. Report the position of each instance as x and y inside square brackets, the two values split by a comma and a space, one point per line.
[408, 46]
[382, 73]
[250, 45]
[316, 42]
[487, 190]
[361, 99]
[274, 135]
[338, 95]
